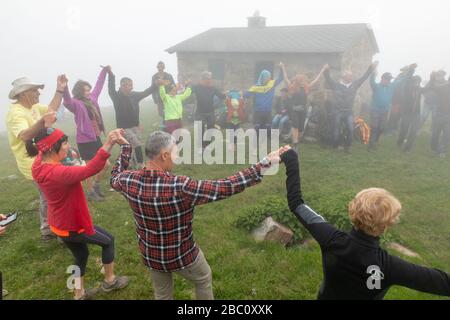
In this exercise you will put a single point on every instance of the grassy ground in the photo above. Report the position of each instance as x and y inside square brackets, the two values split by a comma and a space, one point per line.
[242, 269]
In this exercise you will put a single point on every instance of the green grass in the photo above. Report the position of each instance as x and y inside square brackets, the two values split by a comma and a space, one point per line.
[242, 269]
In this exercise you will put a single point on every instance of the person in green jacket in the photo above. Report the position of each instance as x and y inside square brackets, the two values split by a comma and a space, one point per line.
[173, 105]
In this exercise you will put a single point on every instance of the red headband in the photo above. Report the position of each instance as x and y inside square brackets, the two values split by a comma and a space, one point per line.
[48, 142]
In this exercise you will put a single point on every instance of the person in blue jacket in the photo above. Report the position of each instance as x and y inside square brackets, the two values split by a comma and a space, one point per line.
[383, 93]
[264, 92]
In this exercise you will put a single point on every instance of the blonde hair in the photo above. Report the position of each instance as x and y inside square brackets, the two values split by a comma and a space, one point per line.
[374, 210]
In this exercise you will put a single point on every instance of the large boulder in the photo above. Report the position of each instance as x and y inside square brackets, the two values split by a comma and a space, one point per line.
[271, 230]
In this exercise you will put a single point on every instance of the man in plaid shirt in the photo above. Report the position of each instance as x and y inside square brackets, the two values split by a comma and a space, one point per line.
[163, 207]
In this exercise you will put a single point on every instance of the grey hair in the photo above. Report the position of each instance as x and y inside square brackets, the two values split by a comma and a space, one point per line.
[156, 142]
[206, 75]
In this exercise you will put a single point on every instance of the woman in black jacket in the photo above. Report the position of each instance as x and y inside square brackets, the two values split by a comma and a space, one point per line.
[354, 264]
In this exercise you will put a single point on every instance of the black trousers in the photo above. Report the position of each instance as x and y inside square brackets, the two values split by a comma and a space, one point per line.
[77, 244]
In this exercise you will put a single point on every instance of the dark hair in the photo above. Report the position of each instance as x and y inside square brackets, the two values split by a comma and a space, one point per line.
[78, 89]
[31, 146]
[170, 87]
[125, 79]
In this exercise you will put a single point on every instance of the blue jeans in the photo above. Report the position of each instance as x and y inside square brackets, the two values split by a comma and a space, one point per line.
[378, 122]
[440, 135]
[279, 121]
[345, 118]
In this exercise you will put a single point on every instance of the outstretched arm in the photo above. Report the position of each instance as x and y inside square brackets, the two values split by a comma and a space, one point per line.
[322, 231]
[205, 191]
[149, 91]
[417, 277]
[75, 174]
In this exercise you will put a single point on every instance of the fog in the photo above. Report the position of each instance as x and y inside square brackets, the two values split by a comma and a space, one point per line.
[41, 39]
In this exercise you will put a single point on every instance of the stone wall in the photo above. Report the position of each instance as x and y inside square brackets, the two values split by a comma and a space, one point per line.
[358, 59]
[239, 68]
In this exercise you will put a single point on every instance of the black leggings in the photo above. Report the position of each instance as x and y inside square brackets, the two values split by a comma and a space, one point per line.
[77, 243]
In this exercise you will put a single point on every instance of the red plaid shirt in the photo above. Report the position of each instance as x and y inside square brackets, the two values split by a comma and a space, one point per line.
[163, 206]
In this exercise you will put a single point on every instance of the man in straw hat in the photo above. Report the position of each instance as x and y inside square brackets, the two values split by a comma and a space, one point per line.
[25, 118]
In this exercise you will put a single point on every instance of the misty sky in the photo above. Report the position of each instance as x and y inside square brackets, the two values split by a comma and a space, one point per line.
[44, 38]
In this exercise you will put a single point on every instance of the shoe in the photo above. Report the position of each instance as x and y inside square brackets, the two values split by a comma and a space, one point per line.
[89, 294]
[93, 196]
[48, 237]
[442, 155]
[98, 190]
[117, 284]
[4, 292]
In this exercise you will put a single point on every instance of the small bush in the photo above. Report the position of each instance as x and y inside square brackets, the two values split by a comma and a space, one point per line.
[333, 209]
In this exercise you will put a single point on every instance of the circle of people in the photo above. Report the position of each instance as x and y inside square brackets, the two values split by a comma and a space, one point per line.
[355, 266]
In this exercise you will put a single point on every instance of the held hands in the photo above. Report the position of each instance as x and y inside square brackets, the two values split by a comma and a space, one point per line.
[107, 68]
[61, 82]
[117, 136]
[275, 156]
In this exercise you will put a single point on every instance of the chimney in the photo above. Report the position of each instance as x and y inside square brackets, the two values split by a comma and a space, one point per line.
[256, 21]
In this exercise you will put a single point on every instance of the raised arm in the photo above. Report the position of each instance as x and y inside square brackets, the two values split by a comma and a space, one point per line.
[120, 178]
[285, 75]
[100, 83]
[330, 82]
[358, 83]
[186, 94]
[417, 277]
[373, 83]
[112, 86]
[57, 98]
[317, 79]
[162, 93]
[322, 231]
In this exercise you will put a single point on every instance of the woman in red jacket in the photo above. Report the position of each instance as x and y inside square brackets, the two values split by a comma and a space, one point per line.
[68, 213]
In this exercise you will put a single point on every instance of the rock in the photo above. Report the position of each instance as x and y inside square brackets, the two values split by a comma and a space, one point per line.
[403, 250]
[271, 230]
[309, 242]
[11, 177]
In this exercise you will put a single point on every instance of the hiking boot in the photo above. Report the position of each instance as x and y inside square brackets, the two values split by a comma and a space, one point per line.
[89, 294]
[117, 284]
[98, 190]
[93, 196]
